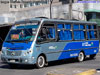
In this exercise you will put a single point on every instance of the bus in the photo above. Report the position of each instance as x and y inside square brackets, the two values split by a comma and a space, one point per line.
[39, 41]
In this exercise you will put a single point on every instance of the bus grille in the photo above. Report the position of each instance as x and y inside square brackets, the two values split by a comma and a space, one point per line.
[14, 53]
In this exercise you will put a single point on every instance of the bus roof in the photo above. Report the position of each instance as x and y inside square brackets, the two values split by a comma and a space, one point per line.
[53, 20]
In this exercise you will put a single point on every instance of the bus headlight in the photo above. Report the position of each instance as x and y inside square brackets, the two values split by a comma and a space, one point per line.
[28, 52]
[4, 48]
[2, 52]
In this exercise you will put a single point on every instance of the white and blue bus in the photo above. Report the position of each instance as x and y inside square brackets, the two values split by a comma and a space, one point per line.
[39, 41]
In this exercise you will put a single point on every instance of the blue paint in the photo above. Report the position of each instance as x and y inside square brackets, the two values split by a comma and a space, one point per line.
[76, 47]
[17, 46]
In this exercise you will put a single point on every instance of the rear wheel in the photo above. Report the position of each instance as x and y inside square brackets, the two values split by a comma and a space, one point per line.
[40, 62]
[81, 57]
[92, 56]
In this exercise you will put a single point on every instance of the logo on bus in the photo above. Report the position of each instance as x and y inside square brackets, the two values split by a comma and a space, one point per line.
[52, 47]
[87, 44]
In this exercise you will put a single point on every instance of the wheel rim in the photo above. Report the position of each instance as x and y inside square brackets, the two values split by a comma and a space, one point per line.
[41, 61]
[81, 56]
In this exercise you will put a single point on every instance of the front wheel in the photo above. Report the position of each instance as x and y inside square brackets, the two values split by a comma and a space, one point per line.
[40, 62]
[81, 57]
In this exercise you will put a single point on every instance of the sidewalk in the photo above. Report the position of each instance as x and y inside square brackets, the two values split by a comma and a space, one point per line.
[73, 71]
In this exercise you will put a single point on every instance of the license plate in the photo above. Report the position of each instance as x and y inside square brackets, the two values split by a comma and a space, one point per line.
[12, 61]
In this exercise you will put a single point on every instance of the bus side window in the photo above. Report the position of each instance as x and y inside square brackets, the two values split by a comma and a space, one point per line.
[42, 35]
[64, 32]
[91, 32]
[76, 32]
[79, 33]
[68, 32]
[82, 32]
[60, 31]
[88, 33]
[51, 33]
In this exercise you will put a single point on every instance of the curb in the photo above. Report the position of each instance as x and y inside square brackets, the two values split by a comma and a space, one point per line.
[89, 72]
[54, 74]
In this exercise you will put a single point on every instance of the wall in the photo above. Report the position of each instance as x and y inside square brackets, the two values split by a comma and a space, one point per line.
[58, 11]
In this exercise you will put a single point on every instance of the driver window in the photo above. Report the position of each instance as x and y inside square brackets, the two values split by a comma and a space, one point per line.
[42, 35]
[50, 33]
[46, 34]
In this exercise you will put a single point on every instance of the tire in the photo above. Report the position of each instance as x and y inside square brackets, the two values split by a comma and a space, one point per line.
[81, 57]
[92, 56]
[40, 62]
[12, 66]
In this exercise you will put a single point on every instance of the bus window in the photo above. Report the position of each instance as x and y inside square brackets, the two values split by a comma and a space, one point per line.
[91, 32]
[95, 34]
[60, 31]
[42, 35]
[82, 26]
[67, 26]
[94, 27]
[76, 27]
[51, 33]
[60, 26]
[68, 32]
[82, 32]
[79, 33]
[64, 32]
[46, 34]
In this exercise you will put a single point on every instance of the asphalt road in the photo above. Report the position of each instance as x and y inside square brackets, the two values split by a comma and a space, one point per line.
[70, 65]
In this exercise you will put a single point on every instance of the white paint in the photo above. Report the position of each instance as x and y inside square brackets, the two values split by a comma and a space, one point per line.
[86, 44]
[71, 55]
[52, 47]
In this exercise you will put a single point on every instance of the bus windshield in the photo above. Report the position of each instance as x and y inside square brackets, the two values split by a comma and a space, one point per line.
[22, 34]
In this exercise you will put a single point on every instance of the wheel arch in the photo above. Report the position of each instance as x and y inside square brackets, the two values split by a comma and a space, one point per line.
[44, 55]
[83, 52]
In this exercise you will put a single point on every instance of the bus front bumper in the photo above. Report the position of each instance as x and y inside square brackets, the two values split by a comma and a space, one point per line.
[18, 60]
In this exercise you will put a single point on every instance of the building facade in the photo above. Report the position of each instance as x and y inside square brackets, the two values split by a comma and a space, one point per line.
[15, 5]
[23, 9]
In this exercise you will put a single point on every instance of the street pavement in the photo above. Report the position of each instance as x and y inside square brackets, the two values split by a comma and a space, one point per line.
[68, 67]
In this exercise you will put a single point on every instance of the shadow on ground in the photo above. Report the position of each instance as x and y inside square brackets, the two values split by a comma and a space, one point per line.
[68, 61]
[54, 63]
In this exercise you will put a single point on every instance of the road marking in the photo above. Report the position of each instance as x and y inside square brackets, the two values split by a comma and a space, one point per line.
[89, 72]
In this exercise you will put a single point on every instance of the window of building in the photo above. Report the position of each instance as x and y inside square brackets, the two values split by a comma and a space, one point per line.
[15, 6]
[21, 6]
[11, 6]
[25, 5]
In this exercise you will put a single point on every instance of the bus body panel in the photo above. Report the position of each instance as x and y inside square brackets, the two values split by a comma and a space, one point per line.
[63, 50]
[72, 49]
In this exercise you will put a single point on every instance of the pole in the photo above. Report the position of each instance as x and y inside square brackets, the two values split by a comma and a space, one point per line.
[51, 9]
[9, 5]
[70, 9]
